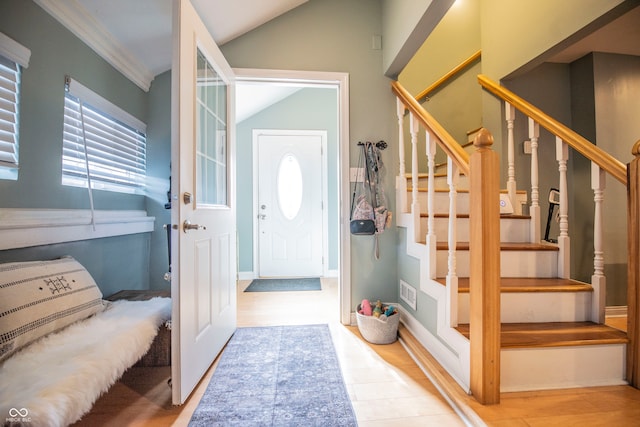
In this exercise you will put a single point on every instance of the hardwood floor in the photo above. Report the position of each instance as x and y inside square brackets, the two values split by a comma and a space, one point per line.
[387, 387]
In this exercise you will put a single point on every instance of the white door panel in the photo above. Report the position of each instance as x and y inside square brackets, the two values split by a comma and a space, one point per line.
[290, 204]
[203, 202]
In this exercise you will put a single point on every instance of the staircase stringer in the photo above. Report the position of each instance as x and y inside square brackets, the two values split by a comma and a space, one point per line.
[448, 346]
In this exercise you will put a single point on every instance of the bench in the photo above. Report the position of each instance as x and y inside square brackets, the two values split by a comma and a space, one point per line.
[55, 378]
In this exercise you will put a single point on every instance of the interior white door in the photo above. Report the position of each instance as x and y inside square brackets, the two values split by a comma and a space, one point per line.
[290, 204]
[203, 283]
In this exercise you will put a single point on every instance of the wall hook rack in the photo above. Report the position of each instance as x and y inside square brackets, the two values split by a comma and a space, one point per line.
[381, 145]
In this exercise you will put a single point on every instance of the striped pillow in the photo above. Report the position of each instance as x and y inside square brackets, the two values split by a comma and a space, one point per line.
[40, 297]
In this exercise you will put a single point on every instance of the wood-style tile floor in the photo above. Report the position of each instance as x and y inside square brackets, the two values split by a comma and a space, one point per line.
[386, 386]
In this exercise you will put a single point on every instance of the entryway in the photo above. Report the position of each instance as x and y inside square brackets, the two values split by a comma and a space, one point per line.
[317, 101]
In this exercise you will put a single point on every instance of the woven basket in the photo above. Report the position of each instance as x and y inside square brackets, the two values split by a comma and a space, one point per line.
[378, 331]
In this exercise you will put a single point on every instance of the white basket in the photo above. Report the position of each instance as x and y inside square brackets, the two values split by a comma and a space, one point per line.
[378, 331]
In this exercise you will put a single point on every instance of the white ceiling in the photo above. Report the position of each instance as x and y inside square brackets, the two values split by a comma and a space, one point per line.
[135, 36]
[143, 27]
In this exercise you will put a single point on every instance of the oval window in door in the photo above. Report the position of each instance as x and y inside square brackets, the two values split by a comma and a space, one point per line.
[289, 186]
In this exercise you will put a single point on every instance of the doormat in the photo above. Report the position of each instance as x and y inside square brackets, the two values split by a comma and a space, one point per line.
[284, 285]
[277, 376]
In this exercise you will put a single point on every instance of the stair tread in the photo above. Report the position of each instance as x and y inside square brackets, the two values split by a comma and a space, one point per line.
[529, 284]
[504, 246]
[555, 334]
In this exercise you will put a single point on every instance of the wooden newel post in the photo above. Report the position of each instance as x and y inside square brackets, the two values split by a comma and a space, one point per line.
[633, 268]
[484, 278]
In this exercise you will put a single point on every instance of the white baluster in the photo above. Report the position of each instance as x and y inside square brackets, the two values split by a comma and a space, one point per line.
[453, 176]
[534, 210]
[401, 180]
[510, 113]
[431, 233]
[564, 258]
[415, 203]
[598, 280]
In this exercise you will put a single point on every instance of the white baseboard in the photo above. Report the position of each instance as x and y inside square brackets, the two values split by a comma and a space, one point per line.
[616, 311]
[246, 275]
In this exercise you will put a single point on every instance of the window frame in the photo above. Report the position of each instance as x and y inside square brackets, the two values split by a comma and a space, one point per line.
[13, 59]
[114, 139]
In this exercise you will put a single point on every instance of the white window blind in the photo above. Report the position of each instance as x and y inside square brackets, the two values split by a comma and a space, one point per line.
[114, 143]
[13, 58]
[9, 97]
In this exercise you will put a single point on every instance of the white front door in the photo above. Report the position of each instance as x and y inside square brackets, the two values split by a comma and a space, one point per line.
[203, 283]
[290, 203]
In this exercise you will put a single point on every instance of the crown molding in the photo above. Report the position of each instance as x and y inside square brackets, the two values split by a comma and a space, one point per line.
[80, 22]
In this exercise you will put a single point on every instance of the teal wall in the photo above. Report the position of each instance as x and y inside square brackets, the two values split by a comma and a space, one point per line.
[335, 35]
[307, 109]
[158, 172]
[117, 262]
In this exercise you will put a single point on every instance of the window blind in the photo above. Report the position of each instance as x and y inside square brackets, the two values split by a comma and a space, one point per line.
[114, 143]
[9, 96]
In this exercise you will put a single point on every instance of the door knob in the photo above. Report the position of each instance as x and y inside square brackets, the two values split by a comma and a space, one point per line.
[186, 225]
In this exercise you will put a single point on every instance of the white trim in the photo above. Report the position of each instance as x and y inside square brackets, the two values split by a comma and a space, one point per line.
[80, 22]
[341, 80]
[456, 365]
[246, 275]
[21, 228]
[616, 311]
[105, 106]
[14, 51]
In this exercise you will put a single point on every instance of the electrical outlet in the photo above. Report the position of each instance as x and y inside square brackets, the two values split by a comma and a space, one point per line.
[527, 147]
[356, 174]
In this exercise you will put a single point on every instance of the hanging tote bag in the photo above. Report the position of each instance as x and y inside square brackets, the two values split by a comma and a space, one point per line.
[362, 220]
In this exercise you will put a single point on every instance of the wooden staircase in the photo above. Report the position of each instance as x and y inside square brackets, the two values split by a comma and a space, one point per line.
[548, 339]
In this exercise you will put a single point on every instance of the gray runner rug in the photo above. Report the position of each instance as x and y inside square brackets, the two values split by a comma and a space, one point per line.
[277, 376]
[283, 285]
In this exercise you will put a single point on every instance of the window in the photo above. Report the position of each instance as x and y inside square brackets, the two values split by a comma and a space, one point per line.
[211, 135]
[102, 144]
[13, 57]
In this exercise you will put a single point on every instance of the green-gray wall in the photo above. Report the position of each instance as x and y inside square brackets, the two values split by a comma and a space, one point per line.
[307, 109]
[116, 262]
[335, 36]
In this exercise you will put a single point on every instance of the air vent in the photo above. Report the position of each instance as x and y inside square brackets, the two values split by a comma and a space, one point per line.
[408, 294]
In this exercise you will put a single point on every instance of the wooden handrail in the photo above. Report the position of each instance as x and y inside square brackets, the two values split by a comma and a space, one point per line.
[448, 75]
[592, 152]
[444, 139]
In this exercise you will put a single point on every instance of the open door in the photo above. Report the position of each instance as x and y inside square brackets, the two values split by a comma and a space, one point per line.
[203, 282]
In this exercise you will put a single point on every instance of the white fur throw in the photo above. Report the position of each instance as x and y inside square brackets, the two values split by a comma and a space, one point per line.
[57, 379]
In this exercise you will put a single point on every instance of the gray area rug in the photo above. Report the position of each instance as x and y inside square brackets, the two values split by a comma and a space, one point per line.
[283, 285]
[277, 376]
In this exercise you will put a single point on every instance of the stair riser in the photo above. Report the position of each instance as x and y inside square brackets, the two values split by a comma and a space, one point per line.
[511, 229]
[562, 367]
[536, 307]
[512, 263]
[441, 182]
[441, 202]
